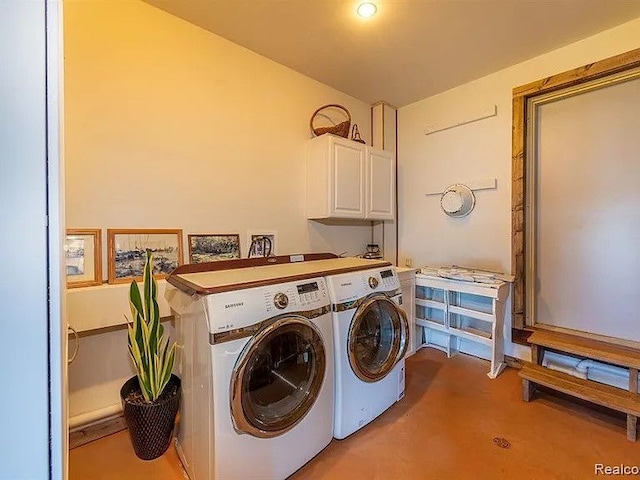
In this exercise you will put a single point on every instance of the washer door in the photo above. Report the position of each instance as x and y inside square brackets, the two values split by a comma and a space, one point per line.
[277, 377]
[377, 338]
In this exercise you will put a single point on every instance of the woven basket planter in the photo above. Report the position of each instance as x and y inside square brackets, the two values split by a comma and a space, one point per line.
[151, 424]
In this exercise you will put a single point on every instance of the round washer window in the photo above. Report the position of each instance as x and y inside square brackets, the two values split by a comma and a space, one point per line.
[377, 338]
[278, 377]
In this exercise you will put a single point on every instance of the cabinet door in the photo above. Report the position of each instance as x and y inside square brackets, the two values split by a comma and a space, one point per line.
[348, 170]
[381, 181]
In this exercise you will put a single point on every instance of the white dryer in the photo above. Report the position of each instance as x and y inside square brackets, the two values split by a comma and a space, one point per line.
[371, 335]
[257, 369]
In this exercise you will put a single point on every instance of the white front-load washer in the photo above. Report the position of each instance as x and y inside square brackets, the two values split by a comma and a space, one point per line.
[257, 369]
[371, 335]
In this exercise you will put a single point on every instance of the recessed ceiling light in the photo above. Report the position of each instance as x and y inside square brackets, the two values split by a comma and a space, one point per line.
[367, 9]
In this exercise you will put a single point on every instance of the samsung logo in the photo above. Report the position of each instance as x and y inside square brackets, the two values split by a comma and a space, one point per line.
[345, 284]
[233, 305]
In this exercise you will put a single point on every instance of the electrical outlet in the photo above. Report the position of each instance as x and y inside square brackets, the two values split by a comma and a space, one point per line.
[408, 262]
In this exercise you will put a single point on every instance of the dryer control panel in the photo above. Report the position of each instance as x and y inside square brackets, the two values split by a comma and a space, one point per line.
[352, 286]
[389, 279]
[384, 280]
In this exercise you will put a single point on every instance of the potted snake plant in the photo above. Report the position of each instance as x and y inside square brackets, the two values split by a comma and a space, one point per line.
[151, 398]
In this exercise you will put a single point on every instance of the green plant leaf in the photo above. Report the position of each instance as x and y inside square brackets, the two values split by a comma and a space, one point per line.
[148, 285]
[150, 352]
[135, 301]
[167, 367]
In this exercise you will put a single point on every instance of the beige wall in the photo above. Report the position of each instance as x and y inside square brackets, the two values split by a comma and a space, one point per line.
[476, 151]
[170, 126]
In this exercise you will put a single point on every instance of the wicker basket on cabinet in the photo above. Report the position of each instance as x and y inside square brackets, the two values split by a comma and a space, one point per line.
[342, 129]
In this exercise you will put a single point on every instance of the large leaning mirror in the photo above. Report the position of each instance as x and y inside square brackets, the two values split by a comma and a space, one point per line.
[576, 201]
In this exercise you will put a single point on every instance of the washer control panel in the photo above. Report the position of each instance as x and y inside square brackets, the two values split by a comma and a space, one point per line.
[296, 296]
[309, 292]
[236, 309]
[280, 300]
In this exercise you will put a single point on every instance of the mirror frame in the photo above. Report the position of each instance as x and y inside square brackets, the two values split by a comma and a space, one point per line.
[520, 130]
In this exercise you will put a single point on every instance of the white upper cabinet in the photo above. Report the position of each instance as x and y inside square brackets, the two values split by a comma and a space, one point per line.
[347, 172]
[380, 184]
[347, 179]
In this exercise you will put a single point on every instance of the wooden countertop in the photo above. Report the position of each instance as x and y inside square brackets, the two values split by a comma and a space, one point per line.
[216, 281]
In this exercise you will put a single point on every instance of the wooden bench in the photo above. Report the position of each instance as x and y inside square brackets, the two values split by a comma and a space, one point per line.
[624, 401]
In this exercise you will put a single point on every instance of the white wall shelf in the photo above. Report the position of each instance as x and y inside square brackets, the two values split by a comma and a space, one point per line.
[422, 322]
[473, 114]
[438, 188]
[430, 303]
[471, 314]
[104, 306]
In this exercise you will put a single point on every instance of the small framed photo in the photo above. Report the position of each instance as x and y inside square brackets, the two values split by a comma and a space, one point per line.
[83, 249]
[127, 252]
[213, 247]
[261, 243]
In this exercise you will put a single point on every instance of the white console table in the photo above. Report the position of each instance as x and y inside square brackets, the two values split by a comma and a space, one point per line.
[462, 316]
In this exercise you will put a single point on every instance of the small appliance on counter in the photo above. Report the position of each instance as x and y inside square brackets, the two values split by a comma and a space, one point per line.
[372, 252]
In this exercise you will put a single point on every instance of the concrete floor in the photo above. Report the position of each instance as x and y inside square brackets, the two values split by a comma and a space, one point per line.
[443, 429]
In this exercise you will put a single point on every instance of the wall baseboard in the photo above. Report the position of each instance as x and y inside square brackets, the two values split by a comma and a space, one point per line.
[96, 430]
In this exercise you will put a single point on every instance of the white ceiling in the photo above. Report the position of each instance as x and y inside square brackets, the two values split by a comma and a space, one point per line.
[411, 49]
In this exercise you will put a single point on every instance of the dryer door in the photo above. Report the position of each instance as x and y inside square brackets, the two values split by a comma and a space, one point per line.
[377, 338]
[277, 377]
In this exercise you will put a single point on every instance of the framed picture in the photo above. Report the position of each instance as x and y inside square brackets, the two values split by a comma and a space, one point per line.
[213, 247]
[261, 243]
[127, 252]
[83, 249]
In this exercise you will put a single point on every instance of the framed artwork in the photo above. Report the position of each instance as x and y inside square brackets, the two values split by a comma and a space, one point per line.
[261, 243]
[83, 249]
[127, 252]
[213, 247]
